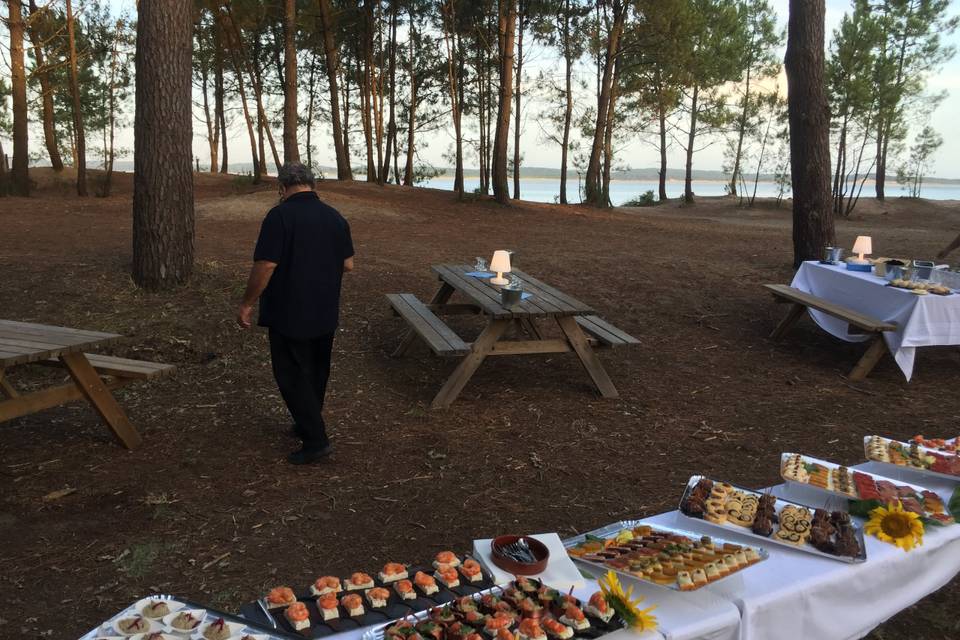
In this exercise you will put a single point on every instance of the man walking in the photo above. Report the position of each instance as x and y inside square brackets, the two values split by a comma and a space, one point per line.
[302, 252]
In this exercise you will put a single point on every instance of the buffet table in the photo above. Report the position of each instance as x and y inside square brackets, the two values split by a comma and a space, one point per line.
[923, 321]
[797, 595]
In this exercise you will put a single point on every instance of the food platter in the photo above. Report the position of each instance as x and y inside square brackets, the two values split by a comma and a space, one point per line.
[524, 600]
[346, 619]
[944, 445]
[666, 539]
[238, 627]
[786, 523]
[912, 457]
[832, 478]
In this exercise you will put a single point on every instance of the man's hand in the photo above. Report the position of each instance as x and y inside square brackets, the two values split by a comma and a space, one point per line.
[244, 314]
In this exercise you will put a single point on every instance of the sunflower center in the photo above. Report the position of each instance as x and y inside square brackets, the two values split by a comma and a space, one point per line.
[896, 525]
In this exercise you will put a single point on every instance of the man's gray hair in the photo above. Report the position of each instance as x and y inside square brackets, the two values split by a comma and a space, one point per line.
[292, 174]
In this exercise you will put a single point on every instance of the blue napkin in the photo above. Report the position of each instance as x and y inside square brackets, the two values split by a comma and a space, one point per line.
[525, 295]
[480, 274]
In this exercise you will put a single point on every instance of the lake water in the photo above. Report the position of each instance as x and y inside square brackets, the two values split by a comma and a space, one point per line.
[548, 189]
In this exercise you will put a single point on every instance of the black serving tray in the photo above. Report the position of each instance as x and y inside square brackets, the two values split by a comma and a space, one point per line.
[396, 607]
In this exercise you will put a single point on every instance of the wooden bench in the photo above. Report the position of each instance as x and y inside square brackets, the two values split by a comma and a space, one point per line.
[123, 367]
[605, 333]
[441, 339]
[858, 323]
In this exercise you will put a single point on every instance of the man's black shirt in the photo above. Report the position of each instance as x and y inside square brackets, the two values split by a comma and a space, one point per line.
[309, 240]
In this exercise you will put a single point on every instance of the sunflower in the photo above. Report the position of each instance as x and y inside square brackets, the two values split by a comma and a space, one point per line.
[623, 603]
[894, 525]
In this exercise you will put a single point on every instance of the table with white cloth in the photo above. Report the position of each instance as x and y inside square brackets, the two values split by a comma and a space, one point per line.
[795, 594]
[922, 321]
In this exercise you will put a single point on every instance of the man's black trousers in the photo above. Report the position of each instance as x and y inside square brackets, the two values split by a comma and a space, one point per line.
[301, 368]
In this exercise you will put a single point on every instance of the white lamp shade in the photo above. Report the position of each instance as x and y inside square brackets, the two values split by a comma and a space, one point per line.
[863, 245]
[500, 262]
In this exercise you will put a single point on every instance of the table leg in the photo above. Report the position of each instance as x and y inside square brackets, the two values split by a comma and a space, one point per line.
[578, 341]
[482, 347]
[6, 388]
[796, 311]
[96, 392]
[440, 297]
[869, 360]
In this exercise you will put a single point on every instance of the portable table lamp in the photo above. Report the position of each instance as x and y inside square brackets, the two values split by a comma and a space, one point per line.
[863, 245]
[501, 265]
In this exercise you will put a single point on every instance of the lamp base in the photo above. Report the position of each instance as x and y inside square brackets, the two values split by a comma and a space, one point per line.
[499, 280]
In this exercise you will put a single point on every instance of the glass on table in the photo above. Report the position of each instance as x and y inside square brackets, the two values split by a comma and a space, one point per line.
[480, 264]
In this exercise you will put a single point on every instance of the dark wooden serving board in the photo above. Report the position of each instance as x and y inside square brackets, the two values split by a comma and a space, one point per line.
[395, 609]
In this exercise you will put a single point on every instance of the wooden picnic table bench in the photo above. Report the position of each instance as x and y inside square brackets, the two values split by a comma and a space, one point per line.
[93, 376]
[581, 329]
[858, 323]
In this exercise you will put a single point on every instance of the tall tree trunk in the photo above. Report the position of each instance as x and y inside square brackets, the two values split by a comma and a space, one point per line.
[248, 119]
[208, 118]
[691, 137]
[218, 95]
[809, 115]
[741, 132]
[77, 112]
[290, 151]
[4, 187]
[593, 187]
[37, 37]
[111, 110]
[521, 27]
[568, 95]
[412, 114]
[392, 78]
[481, 117]
[608, 137]
[344, 171]
[163, 218]
[366, 88]
[252, 65]
[346, 109]
[19, 176]
[662, 174]
[311, 97]
[449, 19]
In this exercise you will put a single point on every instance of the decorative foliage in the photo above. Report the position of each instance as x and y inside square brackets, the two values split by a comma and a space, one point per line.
[624, 604]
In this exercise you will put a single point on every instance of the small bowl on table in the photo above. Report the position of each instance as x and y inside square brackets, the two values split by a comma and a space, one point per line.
[511, 565]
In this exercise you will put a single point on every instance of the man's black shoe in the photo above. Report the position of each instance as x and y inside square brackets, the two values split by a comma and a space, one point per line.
[308, 456]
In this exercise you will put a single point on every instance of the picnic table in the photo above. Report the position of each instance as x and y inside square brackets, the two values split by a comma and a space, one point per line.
[581, 330]
[858, 307]
[92, 376]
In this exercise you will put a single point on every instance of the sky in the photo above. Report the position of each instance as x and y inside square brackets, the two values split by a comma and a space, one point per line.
[638, 153]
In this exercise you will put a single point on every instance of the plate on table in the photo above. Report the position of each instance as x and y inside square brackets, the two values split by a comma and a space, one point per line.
[151, 626]
[172, 606]
[854, 484]
[913, 457]
[789, 524]
[631, 548]
[197, 614]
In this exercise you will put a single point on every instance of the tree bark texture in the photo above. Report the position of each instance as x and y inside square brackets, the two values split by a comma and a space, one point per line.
[163, 217]
[78, 131]
[691, 138]
[37, 37]
[19, 174]
[507, 24]
[331, 54]
[290, 151]
[593, 177]
[521, 27]
[809, 116]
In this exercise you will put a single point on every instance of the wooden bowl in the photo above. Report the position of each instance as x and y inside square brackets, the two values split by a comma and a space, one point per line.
[508, 564]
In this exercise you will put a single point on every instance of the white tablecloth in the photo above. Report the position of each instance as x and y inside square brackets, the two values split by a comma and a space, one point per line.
[799, 595]
[922, 321]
